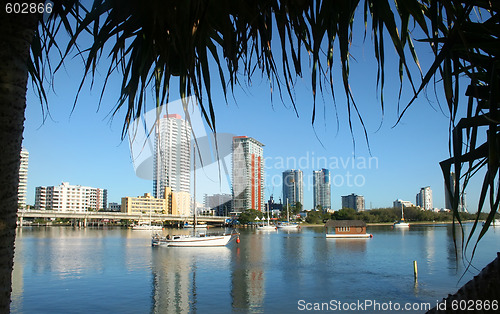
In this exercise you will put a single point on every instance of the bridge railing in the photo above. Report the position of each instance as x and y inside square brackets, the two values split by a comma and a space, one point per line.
[113, 215]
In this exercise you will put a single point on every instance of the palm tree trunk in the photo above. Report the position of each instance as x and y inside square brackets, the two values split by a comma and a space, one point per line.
[16, 33]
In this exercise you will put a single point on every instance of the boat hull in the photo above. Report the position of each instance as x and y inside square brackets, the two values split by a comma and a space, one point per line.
[266, 228]
[401, 225]
[288, 227]
[349, 236]
[147, 228]
[193, 241]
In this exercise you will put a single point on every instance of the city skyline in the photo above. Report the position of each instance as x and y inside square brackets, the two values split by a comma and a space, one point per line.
[85, 146]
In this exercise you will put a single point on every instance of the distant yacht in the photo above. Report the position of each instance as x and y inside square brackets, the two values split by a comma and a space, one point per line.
[267, 227]
[402, 223]
[141, 225]
[286, 225]
[494, 223]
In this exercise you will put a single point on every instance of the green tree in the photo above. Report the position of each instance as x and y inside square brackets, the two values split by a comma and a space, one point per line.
[249, 215]
[345, 214]
[152, 43]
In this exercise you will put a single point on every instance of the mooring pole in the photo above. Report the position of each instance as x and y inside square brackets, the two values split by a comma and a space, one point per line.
[415, 269]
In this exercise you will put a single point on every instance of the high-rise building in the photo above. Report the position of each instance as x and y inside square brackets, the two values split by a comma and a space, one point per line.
[70, 197]
[322, 189]
[356, 202]
[23, 179]
[462, 205]
[172, 157]
[424, 198]
[248, 174]
[293, 187]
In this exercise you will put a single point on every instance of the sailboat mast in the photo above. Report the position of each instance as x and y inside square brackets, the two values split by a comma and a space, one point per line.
[287, 214]
[194, 188]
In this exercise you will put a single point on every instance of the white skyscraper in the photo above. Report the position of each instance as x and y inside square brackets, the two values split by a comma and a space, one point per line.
[293, 186]
[23, 178]
[248, 174]
[322, 189]
[172, 157]
[424, 198]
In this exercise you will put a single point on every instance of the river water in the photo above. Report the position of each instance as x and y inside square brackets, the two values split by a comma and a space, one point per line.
[113, 270]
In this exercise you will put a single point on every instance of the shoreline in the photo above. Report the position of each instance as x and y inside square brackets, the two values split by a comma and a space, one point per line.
[391, 223]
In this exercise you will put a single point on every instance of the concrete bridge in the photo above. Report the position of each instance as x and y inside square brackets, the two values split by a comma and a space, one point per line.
[86, 215]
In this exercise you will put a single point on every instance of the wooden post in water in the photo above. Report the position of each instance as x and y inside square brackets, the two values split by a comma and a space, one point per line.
[415, 270]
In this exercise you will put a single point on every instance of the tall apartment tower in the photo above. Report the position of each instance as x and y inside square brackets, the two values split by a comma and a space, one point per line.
[322, 189]
[248, 174]
[293, 186]
[172, 157]
[23, 179]
[424, 198]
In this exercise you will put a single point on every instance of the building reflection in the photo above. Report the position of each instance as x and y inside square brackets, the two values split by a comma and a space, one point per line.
[175, 276]
[247, 276]
[17, 275]
[454, 248]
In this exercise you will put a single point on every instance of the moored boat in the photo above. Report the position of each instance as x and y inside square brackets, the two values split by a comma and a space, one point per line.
[198, 240]
[402, 223]
[146, 226]
[288, 226]
[347, 229]
[198, 226]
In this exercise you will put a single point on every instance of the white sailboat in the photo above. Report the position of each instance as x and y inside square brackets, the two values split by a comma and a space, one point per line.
[142, 225]
[200, 239]
[267, 226]
[287, 225]
[402, 223]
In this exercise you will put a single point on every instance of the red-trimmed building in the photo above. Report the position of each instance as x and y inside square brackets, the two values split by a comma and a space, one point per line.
[248, 174]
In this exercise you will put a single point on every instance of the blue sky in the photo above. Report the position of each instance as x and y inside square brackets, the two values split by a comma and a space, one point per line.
[83, 146]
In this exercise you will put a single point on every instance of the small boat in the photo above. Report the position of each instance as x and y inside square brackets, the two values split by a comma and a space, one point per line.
[198, 226]
[142, 225]
[199, 240]
[402, 223]
[286, 225]
[267, 227]
[494, 223]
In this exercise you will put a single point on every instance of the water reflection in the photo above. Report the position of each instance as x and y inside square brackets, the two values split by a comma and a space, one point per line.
[118, 270]
[180, 275]
[247, 273]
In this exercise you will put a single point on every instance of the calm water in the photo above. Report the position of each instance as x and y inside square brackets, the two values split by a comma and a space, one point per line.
[67, 270]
